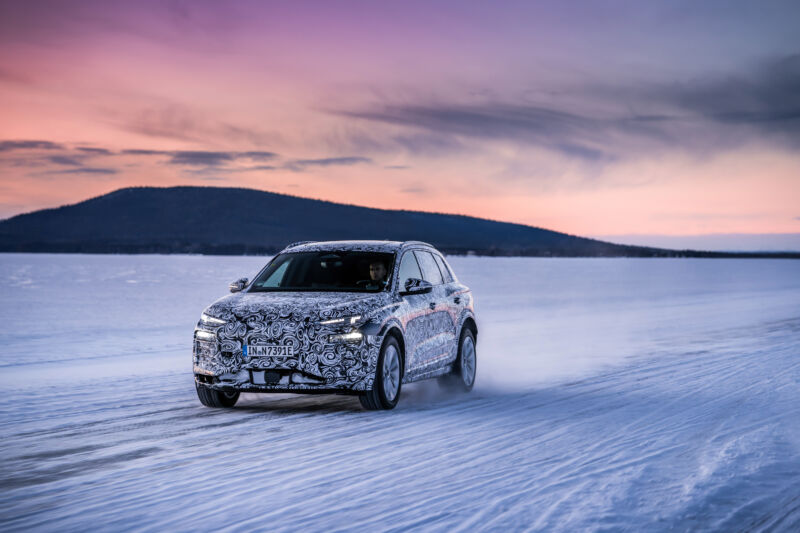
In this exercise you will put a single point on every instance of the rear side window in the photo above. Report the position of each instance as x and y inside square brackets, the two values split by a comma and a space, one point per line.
[408, 269]
[446, 273]
[430, 272]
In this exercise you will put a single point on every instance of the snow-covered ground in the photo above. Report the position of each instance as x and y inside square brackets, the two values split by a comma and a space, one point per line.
[640, 394]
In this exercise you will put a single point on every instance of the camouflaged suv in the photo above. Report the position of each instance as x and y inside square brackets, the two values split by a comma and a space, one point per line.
[352, 317]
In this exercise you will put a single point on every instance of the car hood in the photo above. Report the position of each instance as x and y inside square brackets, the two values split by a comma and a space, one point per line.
[297, 305]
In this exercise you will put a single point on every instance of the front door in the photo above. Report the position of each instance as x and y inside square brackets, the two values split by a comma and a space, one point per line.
[440, 344]
[416, 313]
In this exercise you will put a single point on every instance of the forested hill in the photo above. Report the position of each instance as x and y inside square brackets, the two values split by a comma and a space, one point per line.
[215, 220]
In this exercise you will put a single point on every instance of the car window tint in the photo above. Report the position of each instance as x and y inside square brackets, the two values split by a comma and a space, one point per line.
[276, 276]
[430, 272]
[324, 270]
[408, 269]
[448, 276]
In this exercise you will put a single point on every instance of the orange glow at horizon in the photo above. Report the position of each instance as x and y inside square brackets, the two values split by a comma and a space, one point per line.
[719, 196]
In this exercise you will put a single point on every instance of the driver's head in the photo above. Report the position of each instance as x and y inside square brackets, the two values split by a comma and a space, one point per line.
[377, 271]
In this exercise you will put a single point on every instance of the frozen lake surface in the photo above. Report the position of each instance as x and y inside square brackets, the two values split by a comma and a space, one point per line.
[639, 394]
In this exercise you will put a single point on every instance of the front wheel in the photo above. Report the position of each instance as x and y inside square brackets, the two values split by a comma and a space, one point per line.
[386, 387]
[462, 376]
[215, 398]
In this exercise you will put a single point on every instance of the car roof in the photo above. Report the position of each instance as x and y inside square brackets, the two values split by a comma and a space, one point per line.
[365, 246]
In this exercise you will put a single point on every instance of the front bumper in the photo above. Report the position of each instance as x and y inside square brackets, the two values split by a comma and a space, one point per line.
[243, 382]
[316, 367]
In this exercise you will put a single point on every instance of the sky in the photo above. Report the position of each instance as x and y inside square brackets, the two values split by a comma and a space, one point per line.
[634, 119]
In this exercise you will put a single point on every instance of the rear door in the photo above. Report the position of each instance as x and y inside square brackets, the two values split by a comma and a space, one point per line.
[454, 299]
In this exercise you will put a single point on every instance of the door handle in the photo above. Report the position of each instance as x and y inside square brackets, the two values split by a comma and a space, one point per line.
[457, 299]
[432, 305]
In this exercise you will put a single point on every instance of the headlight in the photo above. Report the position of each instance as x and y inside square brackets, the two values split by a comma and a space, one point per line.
[353, 336]
[210, 320]
[205, 335]
[349, 320]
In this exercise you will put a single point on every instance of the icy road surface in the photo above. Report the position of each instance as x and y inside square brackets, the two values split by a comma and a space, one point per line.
[613, 394]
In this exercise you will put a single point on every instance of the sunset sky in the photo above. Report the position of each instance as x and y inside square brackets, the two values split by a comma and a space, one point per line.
[597, 118]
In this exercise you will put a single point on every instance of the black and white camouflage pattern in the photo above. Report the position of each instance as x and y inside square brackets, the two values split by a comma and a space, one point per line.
[387, 247]
[293, 319]
[430, 335]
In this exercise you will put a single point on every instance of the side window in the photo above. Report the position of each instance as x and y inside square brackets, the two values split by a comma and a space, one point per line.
[408, 269]
[277, 276]
[448, 276]
[430, 272]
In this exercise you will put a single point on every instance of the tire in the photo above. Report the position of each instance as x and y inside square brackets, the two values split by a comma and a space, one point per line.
[215, 398]
[462, 377]
[388, 378]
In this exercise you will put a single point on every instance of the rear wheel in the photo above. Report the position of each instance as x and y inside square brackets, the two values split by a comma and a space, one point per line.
[386, 387]
[215, 398]
[462, 376]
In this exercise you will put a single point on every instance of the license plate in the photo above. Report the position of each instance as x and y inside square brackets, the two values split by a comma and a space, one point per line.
[273, 350]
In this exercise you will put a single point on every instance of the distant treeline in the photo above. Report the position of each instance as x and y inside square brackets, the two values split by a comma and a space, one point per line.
[241, 249]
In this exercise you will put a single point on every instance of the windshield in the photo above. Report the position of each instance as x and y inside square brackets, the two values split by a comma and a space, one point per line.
[326, 271]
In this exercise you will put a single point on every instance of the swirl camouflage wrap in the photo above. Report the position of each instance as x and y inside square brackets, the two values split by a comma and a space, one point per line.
[331, 341]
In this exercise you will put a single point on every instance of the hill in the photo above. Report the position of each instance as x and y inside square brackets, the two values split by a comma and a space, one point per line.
[213, 220]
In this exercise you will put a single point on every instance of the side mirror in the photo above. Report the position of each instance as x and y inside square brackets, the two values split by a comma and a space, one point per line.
[416, 286]
[238, 285]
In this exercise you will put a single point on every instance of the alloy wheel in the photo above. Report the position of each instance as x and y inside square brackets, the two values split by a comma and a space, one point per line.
[468, 360]
[391, 372]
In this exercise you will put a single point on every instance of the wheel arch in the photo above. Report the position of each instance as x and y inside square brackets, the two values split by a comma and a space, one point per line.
[395, 332]
[470, 324]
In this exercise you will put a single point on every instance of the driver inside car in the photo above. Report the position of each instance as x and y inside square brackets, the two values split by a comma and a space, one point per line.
[377, 275]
